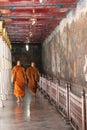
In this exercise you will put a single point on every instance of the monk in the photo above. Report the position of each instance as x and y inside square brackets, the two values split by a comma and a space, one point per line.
[32, 74]
[19, 83]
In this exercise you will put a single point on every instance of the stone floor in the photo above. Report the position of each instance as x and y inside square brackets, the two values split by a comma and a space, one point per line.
[31, 114]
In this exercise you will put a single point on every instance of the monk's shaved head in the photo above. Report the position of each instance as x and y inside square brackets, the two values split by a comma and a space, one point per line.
[18, 62]
[32, 64]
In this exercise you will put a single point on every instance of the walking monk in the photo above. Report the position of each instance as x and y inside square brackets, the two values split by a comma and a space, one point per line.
[32, 74]
[19, 81]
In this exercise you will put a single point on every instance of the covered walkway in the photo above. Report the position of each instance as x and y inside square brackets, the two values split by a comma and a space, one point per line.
[53, 34]
[31, 114]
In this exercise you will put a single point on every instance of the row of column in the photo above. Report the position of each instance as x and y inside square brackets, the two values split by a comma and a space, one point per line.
[5, 65]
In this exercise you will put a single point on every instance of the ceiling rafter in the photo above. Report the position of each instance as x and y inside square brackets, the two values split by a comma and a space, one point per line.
[32, 19]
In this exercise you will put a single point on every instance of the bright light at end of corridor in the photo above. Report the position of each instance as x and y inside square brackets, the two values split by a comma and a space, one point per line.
[27, 47]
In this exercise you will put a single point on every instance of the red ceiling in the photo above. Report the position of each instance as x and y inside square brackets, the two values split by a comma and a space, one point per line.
[18, 15]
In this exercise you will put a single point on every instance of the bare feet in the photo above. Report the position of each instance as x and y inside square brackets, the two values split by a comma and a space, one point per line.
[21, 99]
[18, 101]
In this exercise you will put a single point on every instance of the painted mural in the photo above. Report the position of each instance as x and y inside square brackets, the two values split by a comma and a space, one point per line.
[57, 55]
[65, 52]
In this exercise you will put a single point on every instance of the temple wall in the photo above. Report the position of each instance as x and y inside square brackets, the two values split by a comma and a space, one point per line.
[64, 52]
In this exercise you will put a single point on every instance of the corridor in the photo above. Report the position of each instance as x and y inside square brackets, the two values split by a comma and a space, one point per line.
[53, 35]
[31, 114]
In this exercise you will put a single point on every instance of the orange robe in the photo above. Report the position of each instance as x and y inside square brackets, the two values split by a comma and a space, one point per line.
[32, 74]
[19, 84]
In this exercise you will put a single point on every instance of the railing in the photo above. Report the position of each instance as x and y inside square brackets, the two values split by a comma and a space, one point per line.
[71, 106]
[53, 92]
[75, 111]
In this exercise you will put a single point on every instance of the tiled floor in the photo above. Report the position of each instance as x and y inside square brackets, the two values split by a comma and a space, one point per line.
[31, 114]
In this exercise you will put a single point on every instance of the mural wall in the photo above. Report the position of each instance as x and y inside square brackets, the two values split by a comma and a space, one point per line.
[65, 51]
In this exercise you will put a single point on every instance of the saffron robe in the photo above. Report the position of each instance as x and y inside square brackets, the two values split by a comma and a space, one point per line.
[19, 84]
[32, 74]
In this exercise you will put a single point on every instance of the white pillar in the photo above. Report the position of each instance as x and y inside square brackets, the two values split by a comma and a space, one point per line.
[5, 70]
